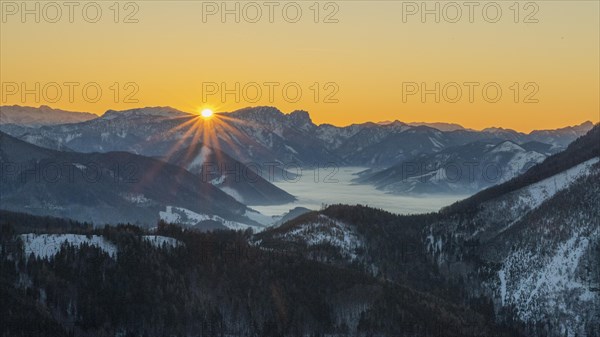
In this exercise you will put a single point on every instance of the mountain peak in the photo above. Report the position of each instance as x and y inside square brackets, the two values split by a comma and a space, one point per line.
[494, 129]
[585, 126]
[301, 116]
[267, 115]
[439, 125]
[157, 111]
[507, 146]
[258, 112]
[579, 130]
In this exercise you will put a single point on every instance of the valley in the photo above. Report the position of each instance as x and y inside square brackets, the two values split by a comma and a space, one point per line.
[338, 184]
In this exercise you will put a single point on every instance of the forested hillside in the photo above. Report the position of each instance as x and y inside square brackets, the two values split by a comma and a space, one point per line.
[211, 284]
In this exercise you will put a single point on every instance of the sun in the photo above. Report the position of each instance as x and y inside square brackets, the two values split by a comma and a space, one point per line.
[206, 113]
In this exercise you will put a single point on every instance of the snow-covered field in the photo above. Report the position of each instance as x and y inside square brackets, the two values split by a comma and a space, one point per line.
[48, 245]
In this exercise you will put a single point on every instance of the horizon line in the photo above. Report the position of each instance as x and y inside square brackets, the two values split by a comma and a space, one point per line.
[385, 122]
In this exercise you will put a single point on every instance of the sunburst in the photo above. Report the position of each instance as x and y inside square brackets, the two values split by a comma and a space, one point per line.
[214, 130]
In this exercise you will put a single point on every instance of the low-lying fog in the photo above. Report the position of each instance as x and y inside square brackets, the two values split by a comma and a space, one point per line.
[315, 188]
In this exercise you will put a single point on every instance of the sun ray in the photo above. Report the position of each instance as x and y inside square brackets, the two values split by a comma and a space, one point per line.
[217, 131]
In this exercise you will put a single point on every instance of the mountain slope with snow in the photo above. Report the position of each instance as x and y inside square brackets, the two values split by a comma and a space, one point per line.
[532, 245]
[461, 169]
[46, 246]
[537, 251]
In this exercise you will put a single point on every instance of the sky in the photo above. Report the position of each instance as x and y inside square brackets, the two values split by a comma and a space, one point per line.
[534, 65]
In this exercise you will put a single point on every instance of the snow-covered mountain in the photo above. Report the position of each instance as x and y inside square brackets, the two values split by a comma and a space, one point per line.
[265, 134]
[532, 244]
[314, 230]
[44, 115]
[460, 169]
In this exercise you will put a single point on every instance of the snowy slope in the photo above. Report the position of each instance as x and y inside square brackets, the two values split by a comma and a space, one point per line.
[48, 245]
[550, 271]
[325, 230]
[498, 215]
[535, 194]
[514, 206]
[183, 216]
[536, 246]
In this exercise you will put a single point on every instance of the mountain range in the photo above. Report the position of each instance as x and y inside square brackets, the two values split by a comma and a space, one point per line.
[530, 245]
[262, 136]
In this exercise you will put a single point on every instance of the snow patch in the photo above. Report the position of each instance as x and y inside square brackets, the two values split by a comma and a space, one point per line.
[218, 181]
[507, 146]
[180, 215]
[549, 280]
[135, 198]
[326, 230]
[291, 149]
[233, 193]
[80, 166]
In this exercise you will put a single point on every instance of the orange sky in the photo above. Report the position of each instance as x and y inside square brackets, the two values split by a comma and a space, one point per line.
[366, 62]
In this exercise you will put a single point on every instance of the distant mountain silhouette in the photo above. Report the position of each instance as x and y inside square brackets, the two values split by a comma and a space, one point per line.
[44, 115]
